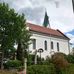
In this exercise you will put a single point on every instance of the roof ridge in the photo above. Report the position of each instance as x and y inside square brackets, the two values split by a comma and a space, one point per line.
[41, 26]
[62, 34]
[49, 31]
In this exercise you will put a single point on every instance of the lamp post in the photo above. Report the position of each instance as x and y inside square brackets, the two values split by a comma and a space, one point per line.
[40, 51]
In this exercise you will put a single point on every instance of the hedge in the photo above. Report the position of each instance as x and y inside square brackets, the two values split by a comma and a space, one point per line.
[12, 64]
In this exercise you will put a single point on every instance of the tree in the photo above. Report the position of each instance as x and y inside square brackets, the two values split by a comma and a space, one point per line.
[6, 29]
[22, 39]
[12, 31]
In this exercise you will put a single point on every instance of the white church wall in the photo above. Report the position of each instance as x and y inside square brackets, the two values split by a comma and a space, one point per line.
[63, 44]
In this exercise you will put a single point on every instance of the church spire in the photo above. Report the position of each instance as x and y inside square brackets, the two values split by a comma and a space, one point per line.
[46, 20]
[73, 5]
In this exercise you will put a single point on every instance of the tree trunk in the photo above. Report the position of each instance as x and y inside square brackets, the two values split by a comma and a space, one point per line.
[20, 52]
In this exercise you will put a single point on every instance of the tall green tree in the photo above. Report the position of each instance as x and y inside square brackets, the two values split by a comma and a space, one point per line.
[23, 39]
[12, 31]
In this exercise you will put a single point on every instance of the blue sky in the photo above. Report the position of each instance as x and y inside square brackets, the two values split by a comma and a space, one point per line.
[60, 13]
[72, 32]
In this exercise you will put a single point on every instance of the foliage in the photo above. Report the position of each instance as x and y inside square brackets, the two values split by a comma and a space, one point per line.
[60, 65]
[60, 62]
[40, 61]
[31, 58]
[13, 31]
[7, 19]
[50, 70]
[47, 61]
[69, 69]
[13, 64]
[70, 58]
[6, 26]
[41, 69]
[23, 38]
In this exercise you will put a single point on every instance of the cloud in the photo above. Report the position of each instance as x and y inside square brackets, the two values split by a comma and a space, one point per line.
[33, 14]
[65, 24]
[61, 18]
[17, 4]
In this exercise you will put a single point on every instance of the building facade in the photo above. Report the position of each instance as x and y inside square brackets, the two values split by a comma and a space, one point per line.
[48, 39]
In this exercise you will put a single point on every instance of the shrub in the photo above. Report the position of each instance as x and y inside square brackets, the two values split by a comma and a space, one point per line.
[41, 69]
[13, 64]
[47, 61]
[70, 58]
[69, 69]
[60, 62]
[30, 59]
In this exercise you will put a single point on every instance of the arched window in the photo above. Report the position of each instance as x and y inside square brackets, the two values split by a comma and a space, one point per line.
[45, 45]
[51, 45]
[57, 46]
[34, 43]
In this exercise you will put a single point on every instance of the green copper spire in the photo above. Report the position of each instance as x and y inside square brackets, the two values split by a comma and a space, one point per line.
[46, 20]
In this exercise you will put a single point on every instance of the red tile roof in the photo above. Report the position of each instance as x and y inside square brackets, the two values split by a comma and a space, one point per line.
[45, 30]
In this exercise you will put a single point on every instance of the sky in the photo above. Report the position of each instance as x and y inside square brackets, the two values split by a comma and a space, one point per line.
[60, 13]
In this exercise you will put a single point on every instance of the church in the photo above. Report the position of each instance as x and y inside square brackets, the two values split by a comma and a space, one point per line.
[48, 39]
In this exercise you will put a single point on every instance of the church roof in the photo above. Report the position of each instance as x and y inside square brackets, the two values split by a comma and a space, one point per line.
[44, 30]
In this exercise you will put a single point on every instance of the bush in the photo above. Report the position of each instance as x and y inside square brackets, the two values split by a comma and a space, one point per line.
[46, 61]
[69, 69]
[70, 58]
[13, 64]
[41, 69]
[30, 59]
[60, 62]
